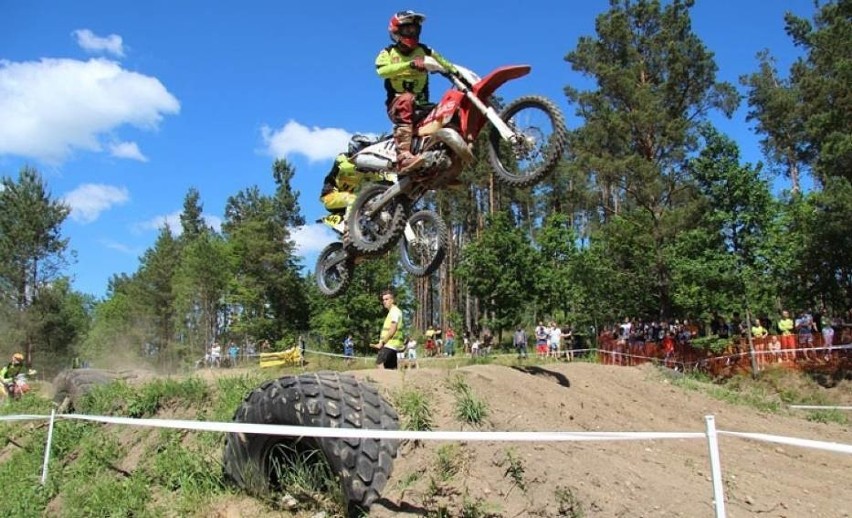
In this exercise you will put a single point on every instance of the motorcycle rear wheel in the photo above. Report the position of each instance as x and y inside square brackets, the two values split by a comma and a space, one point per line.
[333, 279]
[425, 253]
[540, 127]
[376, 234]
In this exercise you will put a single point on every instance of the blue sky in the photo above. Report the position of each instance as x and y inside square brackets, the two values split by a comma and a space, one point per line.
[124, 106]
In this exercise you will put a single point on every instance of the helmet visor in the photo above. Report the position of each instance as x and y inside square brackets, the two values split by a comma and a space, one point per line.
[409, 30]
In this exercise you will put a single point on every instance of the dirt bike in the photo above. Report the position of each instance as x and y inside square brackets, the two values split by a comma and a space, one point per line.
[526, 142]
[17, 387]
[421, 251]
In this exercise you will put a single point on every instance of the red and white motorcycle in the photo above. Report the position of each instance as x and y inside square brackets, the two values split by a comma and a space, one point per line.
[526, 142]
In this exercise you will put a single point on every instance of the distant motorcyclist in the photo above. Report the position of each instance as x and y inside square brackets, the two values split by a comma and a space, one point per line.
[339, 185]
[13, 369]
[341, 182]
[402, 67]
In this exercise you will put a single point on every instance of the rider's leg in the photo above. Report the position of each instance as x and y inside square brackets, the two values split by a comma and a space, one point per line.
[336, 200]
[401, 113]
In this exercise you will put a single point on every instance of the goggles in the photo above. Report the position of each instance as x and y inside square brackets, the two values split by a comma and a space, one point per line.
[409, 30]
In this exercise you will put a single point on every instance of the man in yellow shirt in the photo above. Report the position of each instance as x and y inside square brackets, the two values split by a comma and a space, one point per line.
[390, 339]
[788, 340]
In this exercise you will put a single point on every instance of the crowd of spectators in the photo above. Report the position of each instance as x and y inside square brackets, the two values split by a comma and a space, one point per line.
[808, 336]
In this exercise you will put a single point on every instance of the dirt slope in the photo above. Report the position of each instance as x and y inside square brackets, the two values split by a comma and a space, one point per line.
[631, 478]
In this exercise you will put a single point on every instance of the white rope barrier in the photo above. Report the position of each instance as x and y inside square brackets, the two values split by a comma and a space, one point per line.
[821, 407]
[711, 435]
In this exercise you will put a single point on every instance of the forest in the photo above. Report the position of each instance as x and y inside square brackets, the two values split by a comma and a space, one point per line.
[651, 214]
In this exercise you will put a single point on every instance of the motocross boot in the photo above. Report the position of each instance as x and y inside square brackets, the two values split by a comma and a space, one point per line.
[406, 161]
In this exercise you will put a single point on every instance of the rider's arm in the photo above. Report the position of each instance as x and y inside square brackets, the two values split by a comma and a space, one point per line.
[443, 61]
[386, 69]
[3, 372]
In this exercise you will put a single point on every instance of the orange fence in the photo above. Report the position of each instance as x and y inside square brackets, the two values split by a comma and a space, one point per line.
[799, 353]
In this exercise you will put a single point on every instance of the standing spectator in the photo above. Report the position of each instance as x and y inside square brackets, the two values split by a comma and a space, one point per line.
[568, 339]
[474, 347]
[216, 355]
[521, 342]
[786, 326]
[431, 349]
[805, 332]
[541, 340]
[669, 349]
[487, 340]
[775, 348]
[827, 334]
[450, 342]
[349, 348]
[390, 337]
[759, 334]
[555, 340]
[411, 352]
[233, 352]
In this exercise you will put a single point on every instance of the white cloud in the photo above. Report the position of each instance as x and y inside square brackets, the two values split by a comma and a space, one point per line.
[87, 40]
[315, 143]
[89, 200]
[52, 107]
[124, 249]
[173, 221]
[127, 150]
[213, 221]
[158, 222]
[311, 239]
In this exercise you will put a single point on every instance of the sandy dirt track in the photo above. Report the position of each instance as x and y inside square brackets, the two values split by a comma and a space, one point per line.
[620, 479]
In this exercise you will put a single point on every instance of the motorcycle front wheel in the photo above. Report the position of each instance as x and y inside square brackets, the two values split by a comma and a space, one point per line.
[537, 145]
[334, 270]
[424, 243]
[375, 232]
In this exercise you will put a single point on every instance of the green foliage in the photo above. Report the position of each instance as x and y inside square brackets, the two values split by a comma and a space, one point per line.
[514, 469]
[469, 408]
[656, 85]
[359, 309]
[568, 505]
[200, 285]
[120, 398]
[822, 79]
[92, 496]
[306, 476]
[448, 461]
[266, 286]
[414, 408]
[177, 467]
[496, 269]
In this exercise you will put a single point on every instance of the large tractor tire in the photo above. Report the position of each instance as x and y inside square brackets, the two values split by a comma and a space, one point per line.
[71, 385]
[322, 399]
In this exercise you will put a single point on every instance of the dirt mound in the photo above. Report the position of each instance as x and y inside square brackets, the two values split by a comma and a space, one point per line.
[623, 478]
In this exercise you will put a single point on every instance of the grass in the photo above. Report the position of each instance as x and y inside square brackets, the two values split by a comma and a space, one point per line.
[414, 407]
[306, 476]
[773, 391]
[567, 504]
[448, 462]
[514, 469]
[468, 407]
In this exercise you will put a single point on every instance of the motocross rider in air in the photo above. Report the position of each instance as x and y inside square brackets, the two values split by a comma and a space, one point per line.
[15, 367]
[402, 67]
[340, 184]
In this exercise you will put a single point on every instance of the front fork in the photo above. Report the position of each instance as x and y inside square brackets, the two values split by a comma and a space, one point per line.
[490, 113]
